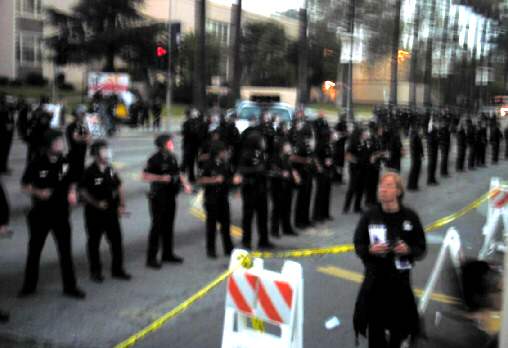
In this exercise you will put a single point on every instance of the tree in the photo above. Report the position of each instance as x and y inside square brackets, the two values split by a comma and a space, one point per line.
[265, 55]
[100, 30]
[186, 66]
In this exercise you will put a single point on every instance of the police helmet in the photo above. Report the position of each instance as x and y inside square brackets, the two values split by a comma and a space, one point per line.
[50, 136]
[162, 139]
[96, 146]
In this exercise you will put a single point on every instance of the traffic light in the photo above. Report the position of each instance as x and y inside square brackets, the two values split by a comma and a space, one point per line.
[161, 51]
[161, 56]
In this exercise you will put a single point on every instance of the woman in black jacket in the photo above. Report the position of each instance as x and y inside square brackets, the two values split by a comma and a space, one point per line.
[389, 238]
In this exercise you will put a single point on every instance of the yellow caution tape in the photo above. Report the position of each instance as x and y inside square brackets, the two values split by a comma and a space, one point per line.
[245, 262]
[339, 249]
[450, 218]
[258, 325]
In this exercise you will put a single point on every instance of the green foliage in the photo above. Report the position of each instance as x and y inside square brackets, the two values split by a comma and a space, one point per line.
[265, 55]
[103, 30]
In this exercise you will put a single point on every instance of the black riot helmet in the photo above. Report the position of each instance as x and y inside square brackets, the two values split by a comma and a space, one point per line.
[97, 146]
[162, 139]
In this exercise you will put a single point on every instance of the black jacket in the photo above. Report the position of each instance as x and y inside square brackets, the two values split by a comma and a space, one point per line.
[386, 298]
[4, 208]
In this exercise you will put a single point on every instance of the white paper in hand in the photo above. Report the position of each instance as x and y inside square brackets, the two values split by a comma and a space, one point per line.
[377, 234]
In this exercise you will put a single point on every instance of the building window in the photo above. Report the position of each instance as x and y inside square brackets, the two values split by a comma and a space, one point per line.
[219, 30]
[29, 8]
[29, 49]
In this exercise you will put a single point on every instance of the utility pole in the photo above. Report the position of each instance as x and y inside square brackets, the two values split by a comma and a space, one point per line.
[347, 94]
[236, 69]
[200, 82]
[394, 81]
[414, 56]
[169, 56]
[427, 95]
[303, 56]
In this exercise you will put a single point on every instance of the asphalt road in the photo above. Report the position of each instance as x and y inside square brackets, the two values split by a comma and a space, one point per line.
[115, 310]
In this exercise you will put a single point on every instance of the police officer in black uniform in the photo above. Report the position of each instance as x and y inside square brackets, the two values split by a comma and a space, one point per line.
[4, 231]
[481, 144]
[191, 141]
[432, 153]
[505, 136]
[163, 174]
[283, 178]
[216, 176]
[6, 133]
[444, 146]
[461, 146]
[495, 141]
[78, 138]
[101, 189]
[394, 148]
[324, 175]
[305, 163]
[48, 181]
[377, 152]
[340, 151]
[471, 144]
[253, 171]
[358, 155]
[38, 125]
[417, 154]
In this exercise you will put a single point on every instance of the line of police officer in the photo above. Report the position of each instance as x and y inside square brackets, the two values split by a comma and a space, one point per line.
[269, 159]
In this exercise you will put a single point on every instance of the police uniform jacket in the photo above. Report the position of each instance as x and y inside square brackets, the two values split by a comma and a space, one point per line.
[102, 186]
[217, 192]
[42, 173]
[162, 163]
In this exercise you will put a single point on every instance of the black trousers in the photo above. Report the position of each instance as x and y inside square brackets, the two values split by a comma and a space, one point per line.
[445, 152]
[156, 120]
[355, 189]
[370, 185]
[282, 199]
[432, 166]
[190, 155]
[322, 197]
[162, 210]
[5, 149]
[378, 338]
[480, 155]
[414, 173]
[99, 223]
[506, 148]
[77, 164]
[40, 223]
[495, 152]
[461, 158]
[303, 198]
[471, 158]
[255, 202]
[218, 212]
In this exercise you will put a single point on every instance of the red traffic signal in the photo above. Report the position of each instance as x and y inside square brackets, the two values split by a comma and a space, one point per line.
[161, 51]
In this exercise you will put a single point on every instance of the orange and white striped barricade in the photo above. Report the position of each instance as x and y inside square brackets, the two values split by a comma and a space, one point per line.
[272, 297]
[497, 210]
